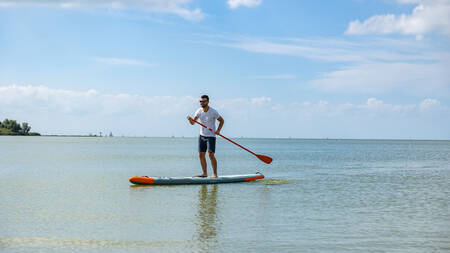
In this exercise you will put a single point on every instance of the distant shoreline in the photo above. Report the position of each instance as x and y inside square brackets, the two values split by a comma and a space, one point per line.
[266, 138]
[4, 132]
[68, 135]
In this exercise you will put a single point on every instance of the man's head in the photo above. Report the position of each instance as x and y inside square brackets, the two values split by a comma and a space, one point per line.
[204, 100]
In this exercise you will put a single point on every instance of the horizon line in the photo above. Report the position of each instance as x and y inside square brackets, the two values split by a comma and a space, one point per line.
[241, 137]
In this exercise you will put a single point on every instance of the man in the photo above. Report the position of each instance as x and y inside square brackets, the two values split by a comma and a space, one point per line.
[207, 139]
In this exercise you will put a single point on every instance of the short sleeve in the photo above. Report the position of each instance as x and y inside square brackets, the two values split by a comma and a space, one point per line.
[197, 113]
[217, 115]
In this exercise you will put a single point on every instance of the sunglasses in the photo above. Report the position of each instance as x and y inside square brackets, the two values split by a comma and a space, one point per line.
[203, 101]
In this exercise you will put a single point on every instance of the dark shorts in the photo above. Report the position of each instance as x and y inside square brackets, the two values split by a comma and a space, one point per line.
[206, 143]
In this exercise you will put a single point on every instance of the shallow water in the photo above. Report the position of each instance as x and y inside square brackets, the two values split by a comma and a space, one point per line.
[63, 194]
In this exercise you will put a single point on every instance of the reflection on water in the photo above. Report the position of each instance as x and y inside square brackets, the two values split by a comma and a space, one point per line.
[276, 181]
[53, 244]
[207, 217]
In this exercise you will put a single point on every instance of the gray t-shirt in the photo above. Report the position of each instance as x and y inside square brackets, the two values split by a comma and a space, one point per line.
[208, 119]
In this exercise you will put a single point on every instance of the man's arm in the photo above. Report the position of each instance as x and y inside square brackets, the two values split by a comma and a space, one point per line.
[192, 121]
[221, 120]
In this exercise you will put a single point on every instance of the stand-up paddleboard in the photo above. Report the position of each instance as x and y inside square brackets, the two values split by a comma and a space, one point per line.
[144, 180]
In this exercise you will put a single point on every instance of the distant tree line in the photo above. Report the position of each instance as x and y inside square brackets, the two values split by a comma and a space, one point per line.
[11, 127]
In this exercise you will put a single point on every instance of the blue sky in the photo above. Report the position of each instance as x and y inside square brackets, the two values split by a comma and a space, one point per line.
[307, 69]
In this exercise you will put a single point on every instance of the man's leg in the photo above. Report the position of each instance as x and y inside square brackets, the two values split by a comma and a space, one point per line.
[202, 145]
[201, 155]
[213, 164]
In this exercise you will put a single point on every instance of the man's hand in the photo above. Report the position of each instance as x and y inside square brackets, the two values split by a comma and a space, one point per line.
[191, 120]
[217, 132]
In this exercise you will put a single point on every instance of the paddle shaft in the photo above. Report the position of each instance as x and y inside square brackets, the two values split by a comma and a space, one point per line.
[225, 138]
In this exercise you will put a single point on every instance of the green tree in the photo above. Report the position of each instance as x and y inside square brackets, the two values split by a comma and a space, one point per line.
[11, 125]
[25, 128]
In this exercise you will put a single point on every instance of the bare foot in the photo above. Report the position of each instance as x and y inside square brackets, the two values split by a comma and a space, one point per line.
[202, 175]
[214, 176]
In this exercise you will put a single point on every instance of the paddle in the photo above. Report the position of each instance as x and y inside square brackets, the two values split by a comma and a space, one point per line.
[263, 158]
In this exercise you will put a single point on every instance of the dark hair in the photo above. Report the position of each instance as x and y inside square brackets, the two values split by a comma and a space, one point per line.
[205, 96]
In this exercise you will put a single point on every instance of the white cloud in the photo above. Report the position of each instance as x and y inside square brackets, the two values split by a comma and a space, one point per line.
[177, 7]
[260, 100]
[333, 50]
[383, 77]
[372, 108]
[371, 66]
[280, 76]
[429, 104]
[429, 16]
[292, 49]
[81, 112]
[377, 107]
[121, 61]
[195, 14]
[233, 4]
[57, 111]
[408, 1]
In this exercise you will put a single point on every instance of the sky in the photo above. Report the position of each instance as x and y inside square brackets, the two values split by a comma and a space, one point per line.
[275, 69]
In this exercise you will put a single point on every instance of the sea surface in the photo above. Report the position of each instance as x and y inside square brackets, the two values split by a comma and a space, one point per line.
[72, 194]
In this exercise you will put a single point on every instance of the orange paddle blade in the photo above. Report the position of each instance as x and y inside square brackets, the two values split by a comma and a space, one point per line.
[264, 158]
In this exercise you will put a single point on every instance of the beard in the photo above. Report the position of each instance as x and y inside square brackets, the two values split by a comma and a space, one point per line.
[204, 105]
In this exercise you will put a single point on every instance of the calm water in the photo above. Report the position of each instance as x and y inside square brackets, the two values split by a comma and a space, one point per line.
[61, 194]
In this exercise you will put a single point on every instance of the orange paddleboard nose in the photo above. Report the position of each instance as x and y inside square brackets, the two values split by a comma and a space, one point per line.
[141, 180]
